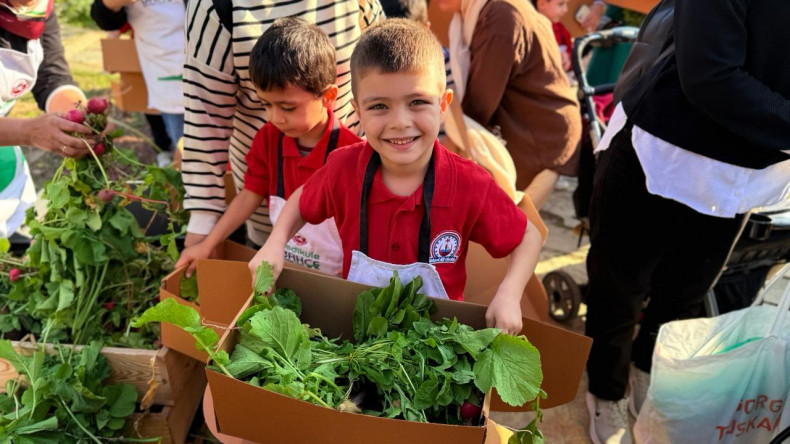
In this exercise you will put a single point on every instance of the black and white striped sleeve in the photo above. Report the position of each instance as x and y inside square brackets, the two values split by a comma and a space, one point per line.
[210, 87]
[371, 13]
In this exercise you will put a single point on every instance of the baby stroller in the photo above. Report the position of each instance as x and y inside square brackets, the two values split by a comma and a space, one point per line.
[564, 294]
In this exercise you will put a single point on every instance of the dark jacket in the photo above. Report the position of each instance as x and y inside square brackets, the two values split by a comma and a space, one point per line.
[54, 71]
[725, 92]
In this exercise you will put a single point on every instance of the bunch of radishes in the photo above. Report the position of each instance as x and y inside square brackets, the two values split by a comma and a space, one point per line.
[94, 116]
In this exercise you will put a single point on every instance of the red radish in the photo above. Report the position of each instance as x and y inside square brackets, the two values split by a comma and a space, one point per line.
[97, 105]
[469, 411]
[14, 274]
[106, 196]
[99, 149]
[109, 306]
[75, 116]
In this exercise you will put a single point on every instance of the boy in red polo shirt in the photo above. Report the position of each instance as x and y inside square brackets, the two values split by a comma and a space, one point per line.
[402, 201]
[292, 66]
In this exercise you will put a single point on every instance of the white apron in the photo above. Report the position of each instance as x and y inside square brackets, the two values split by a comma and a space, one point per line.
[369, 271]
[18, 73]
[317, 247]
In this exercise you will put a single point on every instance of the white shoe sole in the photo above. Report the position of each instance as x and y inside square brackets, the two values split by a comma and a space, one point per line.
[588, 399]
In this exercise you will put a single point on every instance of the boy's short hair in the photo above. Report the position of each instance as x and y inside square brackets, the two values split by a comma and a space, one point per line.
[294, 52]
[398, 45]
[416, 10]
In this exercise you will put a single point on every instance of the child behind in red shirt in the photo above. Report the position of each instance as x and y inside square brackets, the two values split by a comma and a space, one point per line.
[401, 200]
[554, 10]
[292, 66]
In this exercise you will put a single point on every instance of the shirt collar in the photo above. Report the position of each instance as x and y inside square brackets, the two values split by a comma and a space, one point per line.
[444, 191]
[316, 157]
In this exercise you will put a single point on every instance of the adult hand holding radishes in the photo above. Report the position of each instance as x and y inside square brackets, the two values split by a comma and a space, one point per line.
[50, 132]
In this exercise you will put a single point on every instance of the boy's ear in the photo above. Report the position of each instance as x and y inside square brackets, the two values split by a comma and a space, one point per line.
[355, 105]
[447, 99]
[329, 96]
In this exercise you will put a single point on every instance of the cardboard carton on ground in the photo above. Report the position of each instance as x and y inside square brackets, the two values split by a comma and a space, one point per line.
[217, 308]
[255, 414]
[131, 95]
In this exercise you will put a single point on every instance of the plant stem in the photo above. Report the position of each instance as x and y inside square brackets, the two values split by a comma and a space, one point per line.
[137, 132]
[95, 439]
[98, 162]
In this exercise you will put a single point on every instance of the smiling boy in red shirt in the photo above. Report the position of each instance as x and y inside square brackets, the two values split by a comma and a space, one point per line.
[402, 201]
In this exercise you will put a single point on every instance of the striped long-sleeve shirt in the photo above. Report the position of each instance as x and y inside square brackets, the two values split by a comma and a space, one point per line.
[223, 113]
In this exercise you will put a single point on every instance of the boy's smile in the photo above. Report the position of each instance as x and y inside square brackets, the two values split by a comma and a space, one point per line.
[401, 114]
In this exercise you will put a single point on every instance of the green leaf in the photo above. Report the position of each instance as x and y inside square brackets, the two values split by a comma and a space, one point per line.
[362, 314]
[264, 278]
[188, 288]
[121, 399]
[281, 330]
[475, 341]
[377, 327]
[94, 221]
[8, 353]
[5, 245]
[65, 294]
[50, 423]
[287, 298]
[76, 216]
[244, 362]
[512, 366]
[57, 193]
[187, 318]
[124, 221]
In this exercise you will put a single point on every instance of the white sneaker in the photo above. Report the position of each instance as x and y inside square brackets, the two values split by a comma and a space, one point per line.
[608, 421]
[639, 381]
[163, 159]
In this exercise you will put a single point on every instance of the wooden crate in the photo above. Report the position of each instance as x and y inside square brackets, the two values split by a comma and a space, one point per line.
[169, 385]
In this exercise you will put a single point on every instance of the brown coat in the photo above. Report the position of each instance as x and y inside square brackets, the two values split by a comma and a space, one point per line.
[516, 82]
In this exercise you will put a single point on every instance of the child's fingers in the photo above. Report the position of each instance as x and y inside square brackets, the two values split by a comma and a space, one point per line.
[191, 268]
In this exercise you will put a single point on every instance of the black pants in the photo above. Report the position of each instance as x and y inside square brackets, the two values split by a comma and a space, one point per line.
[642, 246]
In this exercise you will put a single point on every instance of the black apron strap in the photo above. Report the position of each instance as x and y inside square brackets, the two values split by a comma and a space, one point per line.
[333, 138]
[280, 183]
[428, 185]
[330, 146]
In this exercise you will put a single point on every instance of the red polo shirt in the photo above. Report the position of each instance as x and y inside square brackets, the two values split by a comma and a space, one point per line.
[261, 175]
[467, 206]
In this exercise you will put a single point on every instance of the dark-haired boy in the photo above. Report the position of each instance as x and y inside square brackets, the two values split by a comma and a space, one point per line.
[292, 66]
[401, 200]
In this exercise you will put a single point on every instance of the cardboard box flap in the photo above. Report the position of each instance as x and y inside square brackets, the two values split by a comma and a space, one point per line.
[224, 287]
[120, 55]
[329, 302]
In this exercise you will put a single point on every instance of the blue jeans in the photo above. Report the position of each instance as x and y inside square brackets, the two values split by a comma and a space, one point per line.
[174, 125]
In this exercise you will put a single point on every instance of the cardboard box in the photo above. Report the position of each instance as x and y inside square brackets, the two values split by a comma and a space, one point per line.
[328, 303]
[217, 311]
[130, 95]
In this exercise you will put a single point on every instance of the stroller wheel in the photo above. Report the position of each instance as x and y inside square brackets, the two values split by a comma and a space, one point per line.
[564, 295]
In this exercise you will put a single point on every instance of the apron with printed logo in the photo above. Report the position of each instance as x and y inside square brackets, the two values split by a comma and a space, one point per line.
[317, 247]
[369, 271]
[18, 72]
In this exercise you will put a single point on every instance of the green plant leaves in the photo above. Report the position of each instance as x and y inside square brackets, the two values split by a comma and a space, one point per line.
[187, 318]
[512, 366]
[282, 331]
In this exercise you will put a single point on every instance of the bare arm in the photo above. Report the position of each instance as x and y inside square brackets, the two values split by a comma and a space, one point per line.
[505, 309]
[240, 209]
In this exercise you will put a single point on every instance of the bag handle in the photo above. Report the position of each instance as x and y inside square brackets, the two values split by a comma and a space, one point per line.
[784, 306]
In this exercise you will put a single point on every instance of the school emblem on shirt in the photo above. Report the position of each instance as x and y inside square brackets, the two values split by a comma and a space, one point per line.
[19, 87]
[445, 248]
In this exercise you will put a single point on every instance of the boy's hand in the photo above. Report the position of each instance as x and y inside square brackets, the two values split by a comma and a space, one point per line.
[504, 311]
[190, 256]
[273, 255]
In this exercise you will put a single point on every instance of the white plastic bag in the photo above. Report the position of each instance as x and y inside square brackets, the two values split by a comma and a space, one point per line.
[720, 380]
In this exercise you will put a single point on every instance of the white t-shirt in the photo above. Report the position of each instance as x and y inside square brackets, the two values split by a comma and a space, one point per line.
[159, 37]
